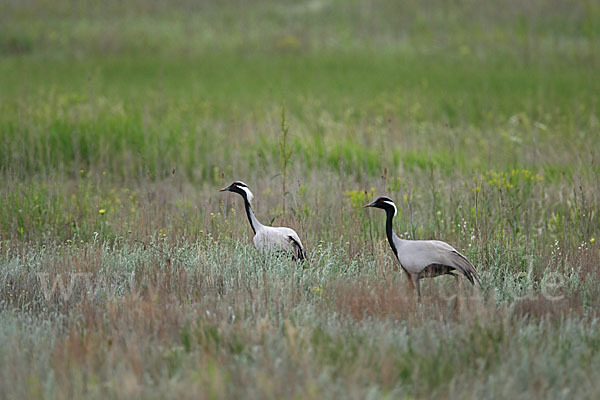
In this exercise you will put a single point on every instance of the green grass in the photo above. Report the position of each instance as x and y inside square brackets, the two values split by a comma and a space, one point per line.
[119, 123]
[86, 113]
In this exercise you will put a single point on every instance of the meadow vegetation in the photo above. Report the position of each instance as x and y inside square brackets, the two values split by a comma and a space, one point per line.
[124, 273]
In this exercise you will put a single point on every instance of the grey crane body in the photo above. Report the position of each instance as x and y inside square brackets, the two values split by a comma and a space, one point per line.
[268, 238]
[423, 258]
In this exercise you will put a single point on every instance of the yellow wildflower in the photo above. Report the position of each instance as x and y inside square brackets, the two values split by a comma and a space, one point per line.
[317, 289]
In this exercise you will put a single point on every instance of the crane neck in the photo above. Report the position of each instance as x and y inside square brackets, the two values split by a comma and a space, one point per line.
[389, 230]
[254, 224]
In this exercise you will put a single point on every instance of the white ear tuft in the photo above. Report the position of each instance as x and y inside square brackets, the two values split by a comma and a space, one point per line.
[393, 205]
[249, 194]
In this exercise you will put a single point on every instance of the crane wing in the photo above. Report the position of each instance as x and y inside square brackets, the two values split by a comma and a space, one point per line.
[443, 253]
[298, 250]
[287, 239]
[463, 265]
[417, 255]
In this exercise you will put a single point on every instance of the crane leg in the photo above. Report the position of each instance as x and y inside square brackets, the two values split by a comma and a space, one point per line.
[457, 304]
[455, 278]
[418, 286]
[413, 281]
[410, 279]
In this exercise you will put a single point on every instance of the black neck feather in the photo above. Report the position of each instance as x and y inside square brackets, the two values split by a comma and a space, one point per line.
[389, 230]
[249, 212]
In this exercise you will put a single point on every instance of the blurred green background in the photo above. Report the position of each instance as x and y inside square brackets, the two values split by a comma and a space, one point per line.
[142, 85]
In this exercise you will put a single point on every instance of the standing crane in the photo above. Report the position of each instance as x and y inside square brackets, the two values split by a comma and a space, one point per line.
[268, 238]
[423, 258]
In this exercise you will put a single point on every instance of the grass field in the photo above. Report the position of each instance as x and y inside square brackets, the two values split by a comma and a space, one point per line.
[124, 273]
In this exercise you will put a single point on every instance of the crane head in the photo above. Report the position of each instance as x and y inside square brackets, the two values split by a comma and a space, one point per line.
[240, 188]
[384, 203]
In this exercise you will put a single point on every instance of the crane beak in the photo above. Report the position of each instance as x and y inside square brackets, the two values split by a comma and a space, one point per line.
[372, 204]
[225, 189]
